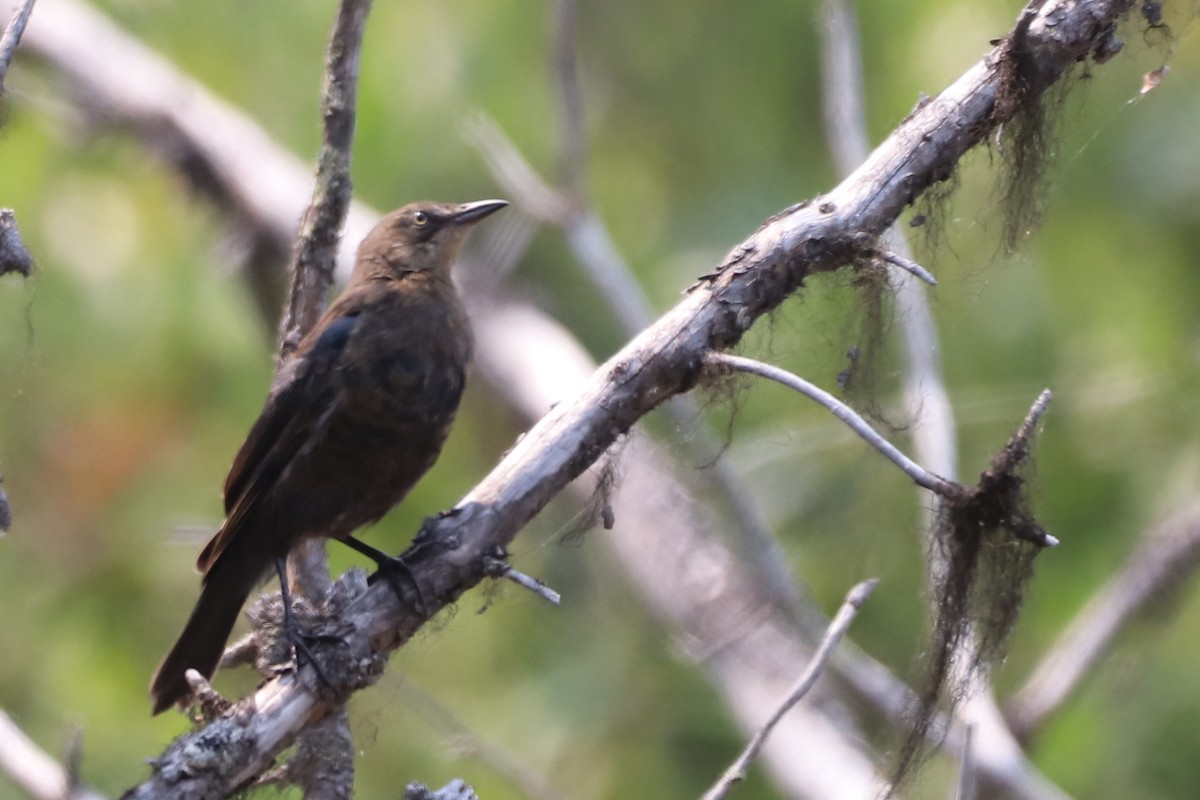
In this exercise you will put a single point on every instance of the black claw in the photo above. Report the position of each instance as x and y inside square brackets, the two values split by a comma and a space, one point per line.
[400, 577]
[395, 571]
[302, 654]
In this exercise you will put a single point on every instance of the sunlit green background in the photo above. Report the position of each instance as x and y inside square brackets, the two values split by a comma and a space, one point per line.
[133, 363]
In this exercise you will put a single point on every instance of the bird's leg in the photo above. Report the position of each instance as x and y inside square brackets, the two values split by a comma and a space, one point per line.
[393, 569]
[300, 649]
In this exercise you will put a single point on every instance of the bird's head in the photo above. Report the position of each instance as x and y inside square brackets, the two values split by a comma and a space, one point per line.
[421, 237]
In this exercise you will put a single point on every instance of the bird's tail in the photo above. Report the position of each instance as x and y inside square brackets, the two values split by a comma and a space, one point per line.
[226, 587]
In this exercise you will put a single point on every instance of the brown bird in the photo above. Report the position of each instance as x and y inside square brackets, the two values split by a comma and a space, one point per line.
[354, 418]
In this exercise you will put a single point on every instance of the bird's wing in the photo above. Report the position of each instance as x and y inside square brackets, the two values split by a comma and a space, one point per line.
[304, 392]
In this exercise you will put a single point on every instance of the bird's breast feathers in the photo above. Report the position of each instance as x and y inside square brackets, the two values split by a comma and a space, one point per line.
[403, 355]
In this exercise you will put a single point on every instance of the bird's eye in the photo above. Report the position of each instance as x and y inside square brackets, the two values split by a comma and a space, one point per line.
[420, 218]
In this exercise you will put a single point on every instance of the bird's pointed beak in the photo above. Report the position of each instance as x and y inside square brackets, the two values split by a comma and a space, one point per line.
[469, 213]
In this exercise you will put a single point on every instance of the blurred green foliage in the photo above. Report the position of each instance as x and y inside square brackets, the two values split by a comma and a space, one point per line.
[132, 364]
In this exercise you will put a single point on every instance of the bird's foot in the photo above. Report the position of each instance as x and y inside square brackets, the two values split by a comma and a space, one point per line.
[298, 640]
[395, 571]
[400, 577]
[303, 654]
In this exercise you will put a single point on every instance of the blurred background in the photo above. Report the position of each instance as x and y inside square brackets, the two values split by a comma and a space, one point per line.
[134, 360]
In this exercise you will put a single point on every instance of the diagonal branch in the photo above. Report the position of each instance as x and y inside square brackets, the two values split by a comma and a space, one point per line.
[593, 247]
[754, 279]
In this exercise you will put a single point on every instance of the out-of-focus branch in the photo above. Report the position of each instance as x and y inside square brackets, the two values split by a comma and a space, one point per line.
[117, 80]
[842, 89]
[586, 235]
[462, 740]
[38, 775]
[12, 37]
[1164, 561]
[5, 509]
[837, 629]
[571, 124]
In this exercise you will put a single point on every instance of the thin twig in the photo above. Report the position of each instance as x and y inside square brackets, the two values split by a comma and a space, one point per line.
[534, 585]
[919, 475]
[503, 569]
[909, 266]
[1026, 430]
[841, 623]
[12, 37]
[965, 788]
